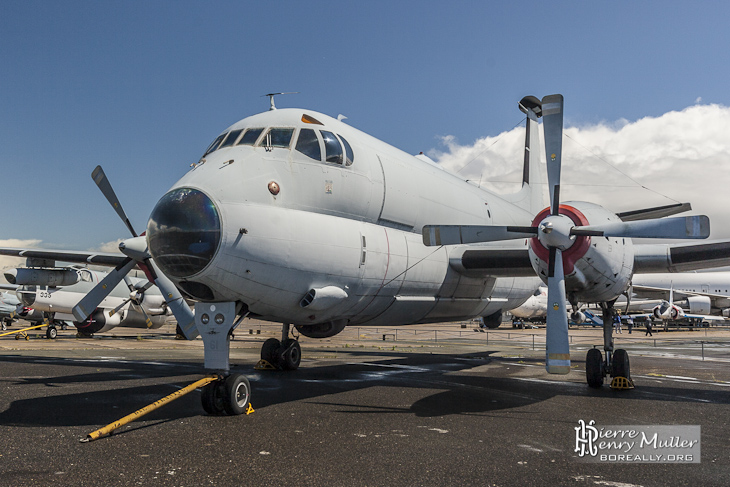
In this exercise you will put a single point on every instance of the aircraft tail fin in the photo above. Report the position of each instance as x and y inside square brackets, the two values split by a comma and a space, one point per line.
[531, 196]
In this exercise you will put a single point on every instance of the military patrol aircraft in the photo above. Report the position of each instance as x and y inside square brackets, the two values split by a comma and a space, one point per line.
[296, 217]
[51, 293]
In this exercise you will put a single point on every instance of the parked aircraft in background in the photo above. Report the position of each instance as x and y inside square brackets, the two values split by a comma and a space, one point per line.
[296, 217]
[53, 292]
[535, 308]
[11, 309]
[702, 293]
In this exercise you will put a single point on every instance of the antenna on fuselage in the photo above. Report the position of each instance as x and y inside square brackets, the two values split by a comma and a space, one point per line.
[272, 95]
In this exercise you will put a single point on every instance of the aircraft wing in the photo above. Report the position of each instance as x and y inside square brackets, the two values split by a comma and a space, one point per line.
[79, 257]
[704, 317]
[8, 287]
[663, 293]
[679, 258]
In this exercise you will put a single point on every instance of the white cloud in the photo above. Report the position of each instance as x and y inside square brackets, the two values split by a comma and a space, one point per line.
[681, 155]
[112, 247]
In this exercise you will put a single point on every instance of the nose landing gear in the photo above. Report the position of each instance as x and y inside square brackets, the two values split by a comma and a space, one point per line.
[230, 393]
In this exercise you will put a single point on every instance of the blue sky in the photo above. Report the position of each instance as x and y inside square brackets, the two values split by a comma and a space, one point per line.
[143, 87]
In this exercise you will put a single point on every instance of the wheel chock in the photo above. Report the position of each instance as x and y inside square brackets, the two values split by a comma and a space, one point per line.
[250, 409]
[622, 383]
[264, 365]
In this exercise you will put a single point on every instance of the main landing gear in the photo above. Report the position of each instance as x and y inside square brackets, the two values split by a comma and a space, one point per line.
[615, 363]
[284, 354]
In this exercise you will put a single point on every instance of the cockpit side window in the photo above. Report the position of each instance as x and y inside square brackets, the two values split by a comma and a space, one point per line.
[333, 149]
[308, 144]
[214, 145]
[349, 155]
[250, 137]
[278, 137]
[232, 136]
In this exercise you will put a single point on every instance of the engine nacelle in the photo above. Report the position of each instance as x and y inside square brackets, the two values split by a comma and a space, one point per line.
[322, 330]
[42, 277]
[726, 312]
[597, 269]
[578, 316]
[700, 305]
[657, 313]
[99, 321]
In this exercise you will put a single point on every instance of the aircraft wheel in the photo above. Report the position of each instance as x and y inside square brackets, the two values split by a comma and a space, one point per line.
[212, 398]
[17, 337]
[594, 368]
[51, 332]
[620, 364]
[292, 354]
[236, 394]
[5, 326]
[268, 351]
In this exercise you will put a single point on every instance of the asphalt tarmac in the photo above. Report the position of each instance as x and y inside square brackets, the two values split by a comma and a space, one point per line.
[442, 405]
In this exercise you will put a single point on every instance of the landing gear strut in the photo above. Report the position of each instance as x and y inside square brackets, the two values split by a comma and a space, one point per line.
[615, 362]
[231, 393]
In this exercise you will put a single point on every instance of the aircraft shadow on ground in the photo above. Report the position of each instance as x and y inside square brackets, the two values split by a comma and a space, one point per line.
[459, 389]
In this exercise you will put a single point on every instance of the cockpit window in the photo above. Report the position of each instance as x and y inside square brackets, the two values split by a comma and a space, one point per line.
[308, 144]
[277, 137]
[232, 136]
[349, 155]
[333, 149]
[214, 145]
[250, 137]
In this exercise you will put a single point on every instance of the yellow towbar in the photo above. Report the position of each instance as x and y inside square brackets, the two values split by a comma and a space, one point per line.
[23, 330]
[108, 429]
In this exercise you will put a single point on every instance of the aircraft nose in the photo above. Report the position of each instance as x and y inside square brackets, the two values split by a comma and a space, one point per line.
[184, 232]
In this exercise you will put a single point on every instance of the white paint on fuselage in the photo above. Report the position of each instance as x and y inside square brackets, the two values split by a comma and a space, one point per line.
[310, 234]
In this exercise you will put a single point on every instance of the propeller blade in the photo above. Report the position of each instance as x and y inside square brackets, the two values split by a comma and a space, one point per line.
[175, 301]
[106, 188]
[552, 120]
[679, 227]
[465, 234]
[93, 299]
[118, 308]
[557, 360]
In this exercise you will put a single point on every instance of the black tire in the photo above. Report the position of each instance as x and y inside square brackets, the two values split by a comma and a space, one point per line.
[212, 398]
[269, 350]
[493, 321]
[236, 395]
[620, 366]
[291, 353]
[594, 368]
[51, 332]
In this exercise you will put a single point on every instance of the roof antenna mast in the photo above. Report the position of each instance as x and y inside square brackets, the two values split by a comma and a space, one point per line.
[272, 95]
